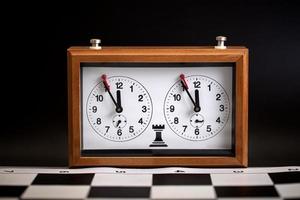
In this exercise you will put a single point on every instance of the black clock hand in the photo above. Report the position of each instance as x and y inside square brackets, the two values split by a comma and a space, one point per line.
[189, 94]
[107, 88]
[119, 108]
[197, 107]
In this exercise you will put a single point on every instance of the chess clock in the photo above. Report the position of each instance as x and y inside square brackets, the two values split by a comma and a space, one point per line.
[158, 106]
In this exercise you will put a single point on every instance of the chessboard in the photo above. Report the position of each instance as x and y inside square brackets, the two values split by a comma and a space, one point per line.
[154, 183]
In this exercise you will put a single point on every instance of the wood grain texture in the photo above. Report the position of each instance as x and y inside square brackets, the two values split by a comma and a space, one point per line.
[237, 55]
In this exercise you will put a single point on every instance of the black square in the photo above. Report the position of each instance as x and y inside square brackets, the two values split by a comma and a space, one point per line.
[63, 179]
[181, 179]
[120, 192]
[12, 191]
[285, 177]
[246, 191]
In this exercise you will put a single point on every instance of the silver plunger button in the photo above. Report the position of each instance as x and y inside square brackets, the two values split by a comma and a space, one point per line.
[95, 44]
[221, 40]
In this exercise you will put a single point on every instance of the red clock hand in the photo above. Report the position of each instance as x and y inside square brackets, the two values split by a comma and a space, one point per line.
[186, 87]
[107, 87]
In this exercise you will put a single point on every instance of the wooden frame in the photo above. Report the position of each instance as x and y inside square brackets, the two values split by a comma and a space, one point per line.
[237, 55]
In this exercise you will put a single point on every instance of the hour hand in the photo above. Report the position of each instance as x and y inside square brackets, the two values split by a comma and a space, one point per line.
[119, 108]
[197, 107]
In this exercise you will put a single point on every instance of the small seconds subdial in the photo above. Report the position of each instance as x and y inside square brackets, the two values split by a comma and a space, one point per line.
[119, 108]
[196, 107]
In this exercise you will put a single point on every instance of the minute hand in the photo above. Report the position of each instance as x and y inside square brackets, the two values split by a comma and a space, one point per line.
[189, 94]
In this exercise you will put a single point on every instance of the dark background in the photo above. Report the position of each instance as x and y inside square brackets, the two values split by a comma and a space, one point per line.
[35, 38]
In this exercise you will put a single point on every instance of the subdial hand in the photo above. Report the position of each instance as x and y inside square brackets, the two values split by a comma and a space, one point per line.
[118, 123]
[107, 88]
[186, 88]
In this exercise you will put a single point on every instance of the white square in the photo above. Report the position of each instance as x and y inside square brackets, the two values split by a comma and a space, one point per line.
[56, 192]
[16, 179]
[182, 192]
[291, 190]
[122, 180]
[241, 179]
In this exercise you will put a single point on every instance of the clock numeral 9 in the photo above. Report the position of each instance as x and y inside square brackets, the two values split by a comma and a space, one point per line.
[197, 84]
[222, 108]
[177, 97]
[99, 98]
[119, 85]
[197, 132]
[94, 108]
[172, 108]
[98, 121]
[131, 129]
[119, 132]
[176, 120]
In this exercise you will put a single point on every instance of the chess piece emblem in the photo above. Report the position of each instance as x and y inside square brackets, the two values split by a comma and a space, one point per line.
[158, 142]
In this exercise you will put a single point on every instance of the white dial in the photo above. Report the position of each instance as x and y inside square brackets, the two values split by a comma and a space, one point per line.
[197, 108]
[121, 113]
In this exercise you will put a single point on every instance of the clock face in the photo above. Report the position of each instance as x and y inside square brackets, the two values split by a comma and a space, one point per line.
[144, 106]
[116, 123]
[198, 111]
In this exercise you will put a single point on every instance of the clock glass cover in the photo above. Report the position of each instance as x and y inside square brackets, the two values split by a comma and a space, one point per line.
[157, 109]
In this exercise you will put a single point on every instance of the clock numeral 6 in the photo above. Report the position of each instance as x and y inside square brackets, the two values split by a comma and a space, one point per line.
[119, 132]
[197, 132]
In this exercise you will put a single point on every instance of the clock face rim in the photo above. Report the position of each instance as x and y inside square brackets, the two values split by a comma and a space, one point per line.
[230, 109]
[126, 140]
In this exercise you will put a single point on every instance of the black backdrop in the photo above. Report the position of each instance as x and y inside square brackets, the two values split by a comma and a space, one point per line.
[33, 66]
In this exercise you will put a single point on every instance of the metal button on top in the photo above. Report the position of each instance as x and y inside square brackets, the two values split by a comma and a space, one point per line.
[95, 44]
[221, 40]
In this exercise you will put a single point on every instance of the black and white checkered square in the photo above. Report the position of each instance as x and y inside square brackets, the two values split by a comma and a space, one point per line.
[223, 185]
